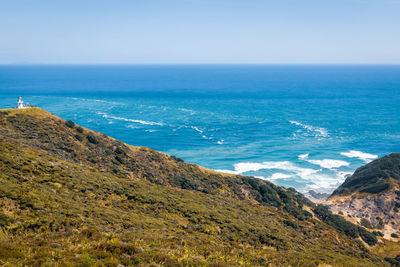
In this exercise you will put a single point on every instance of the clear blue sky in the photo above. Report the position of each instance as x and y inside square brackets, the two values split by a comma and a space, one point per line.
[200, 31]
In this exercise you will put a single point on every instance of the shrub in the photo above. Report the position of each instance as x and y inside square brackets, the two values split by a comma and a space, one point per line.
[92, 139]
[394, 261]
[177, 159]
[394, 235]
[367, 236]
[70, 124]
[3, 219]
[78, 137]
[378, 233]
[183, 183]
[119, 159]
[323, 212]
[364, 222]
[291, 224]
[79, 129]
[119, 150]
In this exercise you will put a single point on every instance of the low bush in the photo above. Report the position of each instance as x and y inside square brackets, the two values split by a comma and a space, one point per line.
[364, 222]
[92, 139]
[78, 137]
[323, 212]
[79, 130]
[292, 224]
[177, 159]
[119, 150]
[378, 233]
[70, 124]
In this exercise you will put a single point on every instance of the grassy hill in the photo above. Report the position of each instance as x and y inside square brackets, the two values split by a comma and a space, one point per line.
[71, 196]
[376, 177]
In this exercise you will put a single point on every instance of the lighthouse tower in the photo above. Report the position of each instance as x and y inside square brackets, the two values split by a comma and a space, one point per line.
[20, 102]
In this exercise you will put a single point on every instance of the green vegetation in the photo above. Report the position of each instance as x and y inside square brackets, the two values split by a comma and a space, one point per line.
[394, 235]
[79, 130]
[378, 233]
[394, 261]
[65, 202]
[373, 177]
[92, 139]
[344, 226]
[70, 124]
[79, 137]
[365, 223]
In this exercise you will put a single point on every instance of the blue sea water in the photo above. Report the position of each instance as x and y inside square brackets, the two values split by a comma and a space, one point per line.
[302, 126]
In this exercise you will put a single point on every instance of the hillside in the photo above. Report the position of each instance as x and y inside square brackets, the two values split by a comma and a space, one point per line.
[371, 197]
[72, 196]
[373, 178]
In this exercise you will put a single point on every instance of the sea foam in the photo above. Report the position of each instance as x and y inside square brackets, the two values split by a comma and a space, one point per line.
[366, 157]
[329, 163]
[243, 167]
[314, 178]
[105, 115]
[317, 131]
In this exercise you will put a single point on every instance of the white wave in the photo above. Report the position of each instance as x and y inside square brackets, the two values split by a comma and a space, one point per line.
[318, 131]
[313, 178]
[104, 115]
[303, 156]
[151, 131]
[195, 128]
[366, 157]
[220, 142]
[95, 100]
[244, 167]
[329, 163]
[279, 175]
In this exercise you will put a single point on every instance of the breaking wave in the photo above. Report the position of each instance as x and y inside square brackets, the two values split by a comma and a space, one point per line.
[315, 179]
[366, 157]
[330, 164]
[244, 167]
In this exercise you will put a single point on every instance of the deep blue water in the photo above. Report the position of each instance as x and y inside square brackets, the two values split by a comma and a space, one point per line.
[255, 120]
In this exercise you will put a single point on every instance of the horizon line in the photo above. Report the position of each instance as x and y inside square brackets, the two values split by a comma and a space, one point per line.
[183, 64]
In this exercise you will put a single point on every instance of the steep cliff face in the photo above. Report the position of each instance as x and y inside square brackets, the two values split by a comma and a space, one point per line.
[371, 196]
[72, 196]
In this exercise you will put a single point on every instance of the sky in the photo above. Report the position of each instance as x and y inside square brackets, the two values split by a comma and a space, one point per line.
[200, 32]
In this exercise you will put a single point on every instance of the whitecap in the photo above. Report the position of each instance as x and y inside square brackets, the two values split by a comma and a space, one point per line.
[303, 156]
[329, 163]
[366, 157]
[104, 115]
[318, 131]
[279, 175]
[220, 142]
[313, 178]
[244, 167]
[195, 128]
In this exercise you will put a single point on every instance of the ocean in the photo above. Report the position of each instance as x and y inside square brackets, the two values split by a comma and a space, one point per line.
[301, 126]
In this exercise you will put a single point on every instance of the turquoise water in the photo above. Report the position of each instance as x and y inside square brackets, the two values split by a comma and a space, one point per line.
[301, 126]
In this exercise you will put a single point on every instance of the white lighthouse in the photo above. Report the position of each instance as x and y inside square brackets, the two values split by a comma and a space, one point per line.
[20, 102]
